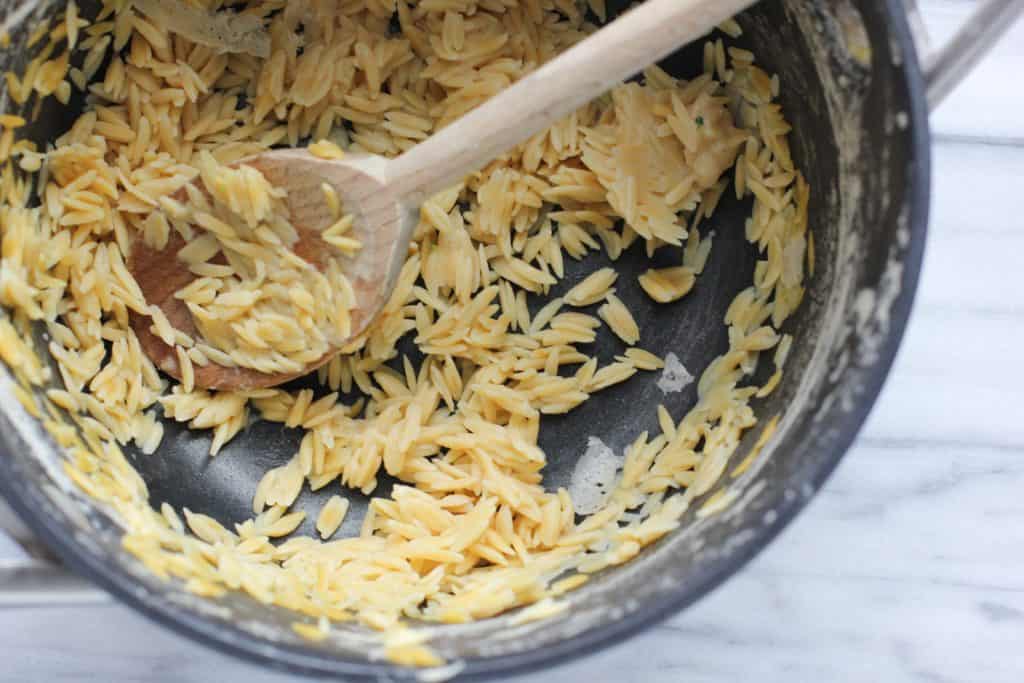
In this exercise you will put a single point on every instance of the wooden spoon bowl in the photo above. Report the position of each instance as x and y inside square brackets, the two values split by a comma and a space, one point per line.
[378, 225]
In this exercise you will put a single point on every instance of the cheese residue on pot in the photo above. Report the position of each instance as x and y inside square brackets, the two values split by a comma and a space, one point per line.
[674, 377]
[593, 477]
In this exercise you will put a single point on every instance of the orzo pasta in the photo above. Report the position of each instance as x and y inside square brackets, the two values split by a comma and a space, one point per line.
[471, 531]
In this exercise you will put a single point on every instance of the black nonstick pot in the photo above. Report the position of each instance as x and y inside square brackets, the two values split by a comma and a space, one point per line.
[857, 95]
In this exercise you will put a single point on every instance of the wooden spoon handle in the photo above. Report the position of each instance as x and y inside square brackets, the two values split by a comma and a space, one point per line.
[641, 36]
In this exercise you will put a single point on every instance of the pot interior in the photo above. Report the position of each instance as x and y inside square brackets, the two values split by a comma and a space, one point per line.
[859, 138]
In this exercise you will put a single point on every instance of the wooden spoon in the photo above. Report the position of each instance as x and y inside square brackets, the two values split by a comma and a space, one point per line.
[384, 194]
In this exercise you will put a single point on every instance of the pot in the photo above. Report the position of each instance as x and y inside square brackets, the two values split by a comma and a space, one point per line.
[857, 95]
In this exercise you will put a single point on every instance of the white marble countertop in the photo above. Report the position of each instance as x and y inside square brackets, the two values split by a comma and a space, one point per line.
[907, 566]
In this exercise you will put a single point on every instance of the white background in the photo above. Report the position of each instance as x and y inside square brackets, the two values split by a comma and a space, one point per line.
[908, 566]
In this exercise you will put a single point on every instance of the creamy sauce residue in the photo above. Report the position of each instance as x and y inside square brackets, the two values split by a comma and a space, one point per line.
[675, 377]
[594, 477]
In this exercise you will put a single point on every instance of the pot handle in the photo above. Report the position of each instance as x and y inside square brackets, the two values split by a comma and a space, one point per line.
[945, 67]
[38, 578]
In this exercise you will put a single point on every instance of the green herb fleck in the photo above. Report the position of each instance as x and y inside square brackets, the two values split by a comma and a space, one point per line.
[700, 121]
